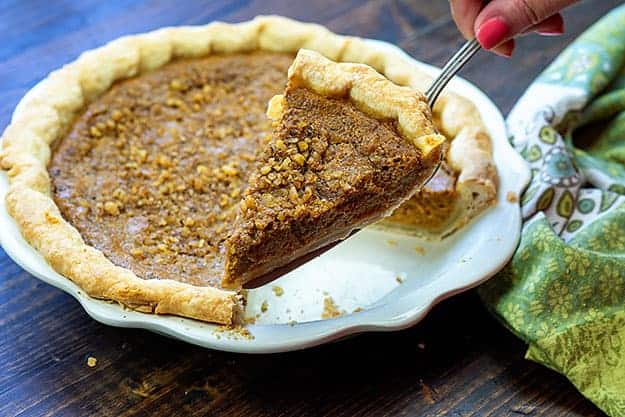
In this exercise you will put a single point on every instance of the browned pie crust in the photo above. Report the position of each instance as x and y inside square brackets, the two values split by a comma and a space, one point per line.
[53, 110]
[347, 148]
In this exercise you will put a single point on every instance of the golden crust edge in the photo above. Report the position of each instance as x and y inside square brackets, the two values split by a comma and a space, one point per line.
[46, 112]
[370, 91]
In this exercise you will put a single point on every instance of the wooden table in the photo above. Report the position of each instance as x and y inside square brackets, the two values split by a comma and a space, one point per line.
[458, 362]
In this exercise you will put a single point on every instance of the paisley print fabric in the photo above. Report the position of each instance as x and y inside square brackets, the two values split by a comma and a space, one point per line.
[564, 290]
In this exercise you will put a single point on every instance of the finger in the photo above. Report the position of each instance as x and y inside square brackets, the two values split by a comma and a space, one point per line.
[551, 26]
[501, 20]
[464, 13]
[505, 49]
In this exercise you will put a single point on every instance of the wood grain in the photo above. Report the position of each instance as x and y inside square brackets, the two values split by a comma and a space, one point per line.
[458, 362]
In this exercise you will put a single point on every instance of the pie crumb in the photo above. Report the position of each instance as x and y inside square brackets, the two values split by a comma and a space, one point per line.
[391, 242]
[264, 306]
[244, 333]
[91, 362]
[512, 197]
[330, 309]
[233, 332]
[428, 393]
[278, 291]
[357, 310]
[399, 279]
[420, 250]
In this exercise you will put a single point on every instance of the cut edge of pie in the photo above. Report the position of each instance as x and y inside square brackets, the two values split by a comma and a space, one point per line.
[473, 174]
[45, 114]
[406, 158]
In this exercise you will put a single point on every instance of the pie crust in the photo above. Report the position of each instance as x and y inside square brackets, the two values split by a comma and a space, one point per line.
[47, 112]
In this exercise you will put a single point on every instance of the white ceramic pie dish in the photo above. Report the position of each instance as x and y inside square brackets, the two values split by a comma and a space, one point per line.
[362, 273]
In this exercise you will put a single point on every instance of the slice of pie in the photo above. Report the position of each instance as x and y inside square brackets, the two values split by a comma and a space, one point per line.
[348, 147]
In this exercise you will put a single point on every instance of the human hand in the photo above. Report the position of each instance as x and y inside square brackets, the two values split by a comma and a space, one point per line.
[496, 24]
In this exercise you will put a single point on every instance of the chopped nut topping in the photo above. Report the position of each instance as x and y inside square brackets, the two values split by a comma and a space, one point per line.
[111, 208]
[286, 162]
[293, 194]
[177, 85]
[174, 102]
[308, 193]
[224, 200]
[302, 146]
[280, 145]
[299, 159]
[235, 193]
[95, 132]
[230, 170]
[116, 115]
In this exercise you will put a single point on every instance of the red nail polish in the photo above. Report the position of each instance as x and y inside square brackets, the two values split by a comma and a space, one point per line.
[492, 32]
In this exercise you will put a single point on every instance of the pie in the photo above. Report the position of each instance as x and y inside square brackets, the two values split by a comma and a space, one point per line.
[347, 148]
[127, 167]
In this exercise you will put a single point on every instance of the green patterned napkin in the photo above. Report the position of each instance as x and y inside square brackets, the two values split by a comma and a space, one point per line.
[564, 290]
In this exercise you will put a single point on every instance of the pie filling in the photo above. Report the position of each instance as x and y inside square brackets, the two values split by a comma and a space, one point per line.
[154, 172]
[432, 206]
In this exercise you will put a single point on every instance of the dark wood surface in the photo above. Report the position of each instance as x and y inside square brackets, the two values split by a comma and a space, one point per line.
[458, 362]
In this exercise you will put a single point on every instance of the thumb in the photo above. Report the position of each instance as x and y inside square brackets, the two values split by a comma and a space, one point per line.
[501, 20]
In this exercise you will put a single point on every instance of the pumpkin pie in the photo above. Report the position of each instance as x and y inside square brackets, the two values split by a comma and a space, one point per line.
[128, 166]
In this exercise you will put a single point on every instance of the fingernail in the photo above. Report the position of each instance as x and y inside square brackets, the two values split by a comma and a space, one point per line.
[505, 49]
[553, 31]
[492, 32]
[549, 32]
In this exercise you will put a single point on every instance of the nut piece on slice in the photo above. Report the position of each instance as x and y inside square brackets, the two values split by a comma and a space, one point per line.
[348, 147]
